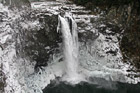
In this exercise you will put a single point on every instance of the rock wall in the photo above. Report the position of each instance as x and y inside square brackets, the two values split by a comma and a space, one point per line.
[41, 43]
[124, 14]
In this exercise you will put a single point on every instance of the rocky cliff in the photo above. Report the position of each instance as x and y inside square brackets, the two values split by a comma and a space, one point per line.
[124, 14]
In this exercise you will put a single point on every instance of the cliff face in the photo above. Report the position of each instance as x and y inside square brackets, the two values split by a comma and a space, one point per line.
[124, 14]
[40, 44]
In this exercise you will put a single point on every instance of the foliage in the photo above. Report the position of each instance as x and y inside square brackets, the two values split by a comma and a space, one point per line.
[106, 2]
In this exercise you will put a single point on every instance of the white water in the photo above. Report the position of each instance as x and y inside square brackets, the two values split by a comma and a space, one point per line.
[68, 28]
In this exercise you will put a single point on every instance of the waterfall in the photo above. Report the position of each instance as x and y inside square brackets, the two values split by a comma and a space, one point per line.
[68, 27]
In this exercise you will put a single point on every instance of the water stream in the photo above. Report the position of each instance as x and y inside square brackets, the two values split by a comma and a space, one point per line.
[68, 28]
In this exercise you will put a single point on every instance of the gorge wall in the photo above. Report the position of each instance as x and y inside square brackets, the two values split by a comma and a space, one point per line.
[124, 14]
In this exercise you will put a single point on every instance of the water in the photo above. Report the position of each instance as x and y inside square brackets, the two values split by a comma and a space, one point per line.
[68, 28]
[90, 88]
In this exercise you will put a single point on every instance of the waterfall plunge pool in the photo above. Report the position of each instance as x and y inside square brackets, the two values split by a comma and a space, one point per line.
[114, 87]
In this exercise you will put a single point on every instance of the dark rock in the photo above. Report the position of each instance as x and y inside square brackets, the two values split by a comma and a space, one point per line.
[2, 79]
[113, 52]
[39, 45]
[88, 35]
[120, 17]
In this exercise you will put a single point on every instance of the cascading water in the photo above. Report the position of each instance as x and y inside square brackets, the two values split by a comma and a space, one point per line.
[68, 28]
